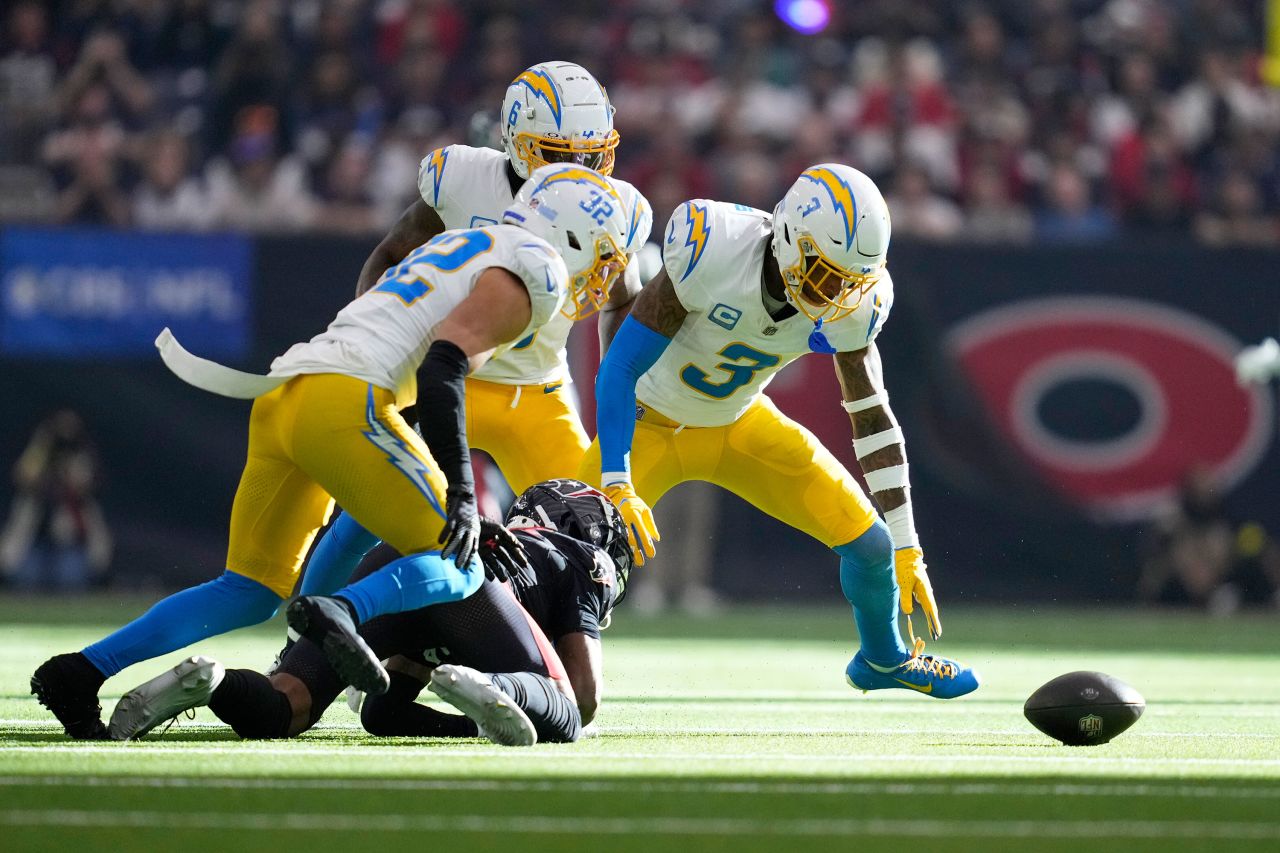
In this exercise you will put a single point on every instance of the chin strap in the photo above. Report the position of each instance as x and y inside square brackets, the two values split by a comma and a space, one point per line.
[818, 342]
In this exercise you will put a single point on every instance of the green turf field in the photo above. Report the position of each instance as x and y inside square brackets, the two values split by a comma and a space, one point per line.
[733, 733]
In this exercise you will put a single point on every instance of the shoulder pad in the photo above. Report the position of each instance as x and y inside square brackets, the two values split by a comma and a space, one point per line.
[544, 275]
[859, 329]
[686, 238]
[441, 171]
[639, 215]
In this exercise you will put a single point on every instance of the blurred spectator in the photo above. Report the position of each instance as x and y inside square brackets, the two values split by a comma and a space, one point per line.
[254, 188]
[991, 215]
[169, 197]
[55, 536]
[27, 78]
[918, 211]
[1236, 217]
[1196, 555]
[347, 206]
[1069, 214]
[1157, 108]
[253, 70]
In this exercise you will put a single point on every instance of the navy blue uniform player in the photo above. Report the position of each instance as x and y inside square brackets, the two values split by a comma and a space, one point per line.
[520, 659]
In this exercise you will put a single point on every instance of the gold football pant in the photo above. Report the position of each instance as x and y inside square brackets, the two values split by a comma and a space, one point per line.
[532, 432]
[318, 438]
[763, 457]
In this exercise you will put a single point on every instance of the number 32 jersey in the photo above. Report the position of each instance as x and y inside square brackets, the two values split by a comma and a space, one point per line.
[729, 348]
[468, 187]
[382, 336]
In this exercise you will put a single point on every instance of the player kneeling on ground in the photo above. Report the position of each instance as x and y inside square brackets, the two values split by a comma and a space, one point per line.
[486, 655]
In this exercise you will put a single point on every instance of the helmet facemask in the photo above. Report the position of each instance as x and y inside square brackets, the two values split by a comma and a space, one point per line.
[594, 153]
[808, 284]
[589, 289]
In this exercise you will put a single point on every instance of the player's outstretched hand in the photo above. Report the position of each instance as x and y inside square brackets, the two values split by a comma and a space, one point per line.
[500, 551]
[461, 535]
[913, 582]
[1257, 364]
[642, 532]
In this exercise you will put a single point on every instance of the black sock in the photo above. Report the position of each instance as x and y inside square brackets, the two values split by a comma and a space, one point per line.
[396, 713]
[555, 718]
[246, 701]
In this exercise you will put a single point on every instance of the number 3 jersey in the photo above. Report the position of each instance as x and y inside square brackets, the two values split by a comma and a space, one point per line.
[729, 348]
[382, 336]
[469, 188]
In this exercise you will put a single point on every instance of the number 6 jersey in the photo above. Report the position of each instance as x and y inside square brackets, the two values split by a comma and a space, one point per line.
[382, 336]
[729, 348]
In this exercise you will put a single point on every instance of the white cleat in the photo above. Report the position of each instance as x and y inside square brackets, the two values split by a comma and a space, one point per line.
[188, 685]
[499, 718]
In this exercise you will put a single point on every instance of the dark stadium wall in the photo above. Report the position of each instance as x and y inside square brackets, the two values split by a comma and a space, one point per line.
[1050, 398]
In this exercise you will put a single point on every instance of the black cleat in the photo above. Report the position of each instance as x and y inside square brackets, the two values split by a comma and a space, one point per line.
[327, 622]
[68, 686]
[291, 638]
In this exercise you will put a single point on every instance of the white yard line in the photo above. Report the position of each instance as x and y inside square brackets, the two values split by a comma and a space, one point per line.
[579, 826]
[589, 753]
[1186, 790]
[636, 731]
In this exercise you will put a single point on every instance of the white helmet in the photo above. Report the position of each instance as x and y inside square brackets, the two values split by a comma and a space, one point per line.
[556, 112]
[833, 220]
[639, 215]
[579, 213]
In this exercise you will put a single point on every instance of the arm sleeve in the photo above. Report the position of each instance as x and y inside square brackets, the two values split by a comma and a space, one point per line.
[634, 350]
[442, 414]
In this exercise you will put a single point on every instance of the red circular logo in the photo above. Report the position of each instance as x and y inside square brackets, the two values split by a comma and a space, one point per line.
[1176, 367]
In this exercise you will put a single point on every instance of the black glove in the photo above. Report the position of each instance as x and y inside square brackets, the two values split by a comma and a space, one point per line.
[500, 551]
[461, 535]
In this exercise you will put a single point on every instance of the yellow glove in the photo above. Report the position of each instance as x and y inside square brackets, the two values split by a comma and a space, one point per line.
[913, 582]
[641, 530]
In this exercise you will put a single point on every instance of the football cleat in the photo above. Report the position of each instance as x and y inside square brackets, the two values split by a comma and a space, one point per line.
[65, 687]
[496, 714]
[931, 675]
[290, 637]
[327, 622]
[188, 685]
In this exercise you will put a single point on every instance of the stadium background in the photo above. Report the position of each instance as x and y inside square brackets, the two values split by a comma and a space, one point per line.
[1085, 200]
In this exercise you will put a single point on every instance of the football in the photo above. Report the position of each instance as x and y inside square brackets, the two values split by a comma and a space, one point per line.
[1084, 708]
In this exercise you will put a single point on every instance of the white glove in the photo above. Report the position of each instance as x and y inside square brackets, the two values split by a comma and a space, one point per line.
[1257, 364]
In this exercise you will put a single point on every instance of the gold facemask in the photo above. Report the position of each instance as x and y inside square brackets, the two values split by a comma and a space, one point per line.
[589, 290]
[813, 267]
[595, 154]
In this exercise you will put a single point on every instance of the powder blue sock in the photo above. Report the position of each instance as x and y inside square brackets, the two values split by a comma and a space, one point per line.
[411, 582]
[228, 602]
[868, 582]
[336, 556]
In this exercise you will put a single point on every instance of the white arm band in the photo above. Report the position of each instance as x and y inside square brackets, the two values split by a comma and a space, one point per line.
[883, 479]
[865, 403]
[902, 527]
[612, 478]
[869, 444]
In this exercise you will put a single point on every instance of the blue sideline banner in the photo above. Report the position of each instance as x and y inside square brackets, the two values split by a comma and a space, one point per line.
[78, 293]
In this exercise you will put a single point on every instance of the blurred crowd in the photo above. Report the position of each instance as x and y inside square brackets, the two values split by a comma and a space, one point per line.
[992, 120]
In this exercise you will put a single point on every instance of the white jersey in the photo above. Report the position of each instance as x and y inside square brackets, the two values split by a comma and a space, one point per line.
[729, 348]
[382, 336]
[469, 188]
